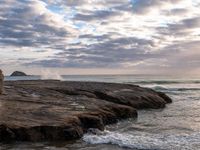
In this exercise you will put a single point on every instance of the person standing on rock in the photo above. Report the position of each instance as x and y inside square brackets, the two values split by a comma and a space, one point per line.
[1, 82]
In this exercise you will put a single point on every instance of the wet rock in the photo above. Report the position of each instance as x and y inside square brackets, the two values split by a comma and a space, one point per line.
[1, 82]
[165, 97]
[66, 110]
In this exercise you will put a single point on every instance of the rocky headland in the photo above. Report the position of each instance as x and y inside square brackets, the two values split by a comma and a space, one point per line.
[50, 110]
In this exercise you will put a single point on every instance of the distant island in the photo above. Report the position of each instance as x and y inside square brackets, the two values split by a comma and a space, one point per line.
[18, 73]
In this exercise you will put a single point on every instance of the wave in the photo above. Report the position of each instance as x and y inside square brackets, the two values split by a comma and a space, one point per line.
[160, 88]
[144, 141]
[166, 82]
[164, 88]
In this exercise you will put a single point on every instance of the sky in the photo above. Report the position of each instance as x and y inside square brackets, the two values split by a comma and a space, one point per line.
[100, 36]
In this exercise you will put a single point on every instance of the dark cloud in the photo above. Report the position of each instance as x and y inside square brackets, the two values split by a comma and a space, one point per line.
[181, 28]
[97, 15]
[144, 6]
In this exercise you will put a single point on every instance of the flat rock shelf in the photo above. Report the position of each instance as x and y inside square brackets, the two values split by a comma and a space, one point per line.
[52, 110]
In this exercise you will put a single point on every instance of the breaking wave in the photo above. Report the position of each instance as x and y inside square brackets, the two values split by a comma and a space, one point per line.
[164, 88]
[167, 82]
[144, 141]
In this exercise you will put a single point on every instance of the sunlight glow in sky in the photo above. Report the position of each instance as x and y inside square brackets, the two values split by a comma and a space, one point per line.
[100, 36]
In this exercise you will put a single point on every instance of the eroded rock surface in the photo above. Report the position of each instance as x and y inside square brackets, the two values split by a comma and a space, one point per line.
[55, 110]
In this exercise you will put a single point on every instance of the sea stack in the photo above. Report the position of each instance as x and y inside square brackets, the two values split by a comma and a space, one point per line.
[1, 82]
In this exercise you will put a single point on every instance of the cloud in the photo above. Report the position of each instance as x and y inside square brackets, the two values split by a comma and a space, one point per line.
[145, 6]
[101, 14]
[111, 53]
[137, 35]
[30, 23]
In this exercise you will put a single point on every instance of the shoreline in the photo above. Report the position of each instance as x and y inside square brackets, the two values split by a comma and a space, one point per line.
[52, 110]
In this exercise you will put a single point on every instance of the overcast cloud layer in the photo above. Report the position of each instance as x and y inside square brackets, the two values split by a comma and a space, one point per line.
[112, 36]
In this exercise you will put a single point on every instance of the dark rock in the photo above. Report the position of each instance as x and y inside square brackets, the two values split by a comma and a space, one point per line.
[54, 110]
[18, 73]
[6, 134]
[165, 97]
[91, 121]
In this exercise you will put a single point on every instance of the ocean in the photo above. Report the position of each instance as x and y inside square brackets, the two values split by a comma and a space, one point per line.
[176, 127]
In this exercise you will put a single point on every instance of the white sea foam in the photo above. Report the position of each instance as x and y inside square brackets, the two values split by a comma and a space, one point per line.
[47, 74]
[146, 140]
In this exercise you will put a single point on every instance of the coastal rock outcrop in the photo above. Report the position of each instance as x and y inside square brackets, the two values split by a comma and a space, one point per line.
[18, 73]
[53, 110]
[1, 82]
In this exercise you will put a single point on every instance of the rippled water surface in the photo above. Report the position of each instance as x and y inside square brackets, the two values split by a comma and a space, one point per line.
[177, 127]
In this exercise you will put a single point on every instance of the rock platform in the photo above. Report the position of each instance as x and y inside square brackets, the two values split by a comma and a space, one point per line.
[51, 110]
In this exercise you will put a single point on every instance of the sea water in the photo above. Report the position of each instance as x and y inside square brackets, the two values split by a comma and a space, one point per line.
[176, 127]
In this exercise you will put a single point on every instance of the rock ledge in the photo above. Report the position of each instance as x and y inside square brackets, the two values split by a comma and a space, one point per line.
[49, 110]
